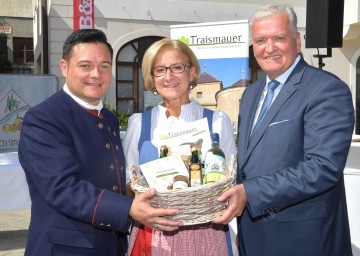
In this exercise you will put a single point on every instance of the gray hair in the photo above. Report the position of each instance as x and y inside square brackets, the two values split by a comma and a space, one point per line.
[274, 9]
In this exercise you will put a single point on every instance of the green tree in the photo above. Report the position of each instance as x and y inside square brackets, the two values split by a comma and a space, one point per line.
[123, 118]
[2, 21]
[5, 66]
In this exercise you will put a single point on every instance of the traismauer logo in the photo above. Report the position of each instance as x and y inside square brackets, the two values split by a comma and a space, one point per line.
[184, 39]
[211, 40]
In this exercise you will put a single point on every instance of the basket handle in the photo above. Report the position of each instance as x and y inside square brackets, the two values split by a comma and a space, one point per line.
[134, 173]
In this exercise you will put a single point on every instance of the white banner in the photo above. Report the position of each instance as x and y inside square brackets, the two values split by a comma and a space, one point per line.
[17, 94]
[221, 47]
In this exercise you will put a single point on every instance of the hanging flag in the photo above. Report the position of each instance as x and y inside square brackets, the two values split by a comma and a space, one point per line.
[83, 14]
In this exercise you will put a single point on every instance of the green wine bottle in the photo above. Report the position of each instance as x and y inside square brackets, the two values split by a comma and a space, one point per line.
[215, 165]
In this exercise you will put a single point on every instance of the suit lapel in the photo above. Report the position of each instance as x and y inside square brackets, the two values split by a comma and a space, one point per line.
[288, 89]
[252, 111]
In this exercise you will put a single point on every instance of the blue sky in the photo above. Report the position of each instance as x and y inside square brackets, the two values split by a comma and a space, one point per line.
[228, 70]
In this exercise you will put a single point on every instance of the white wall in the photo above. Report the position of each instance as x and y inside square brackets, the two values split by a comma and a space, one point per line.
[123, 21]
[16, 8]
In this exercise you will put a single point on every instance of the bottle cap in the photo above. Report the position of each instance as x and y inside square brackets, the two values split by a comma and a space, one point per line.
[215, 138]
[164, 151]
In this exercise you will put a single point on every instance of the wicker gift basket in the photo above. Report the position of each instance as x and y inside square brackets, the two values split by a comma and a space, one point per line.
[196, 204]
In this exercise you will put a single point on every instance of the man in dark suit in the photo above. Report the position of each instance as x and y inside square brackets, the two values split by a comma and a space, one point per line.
[290, 194]
[71, 153]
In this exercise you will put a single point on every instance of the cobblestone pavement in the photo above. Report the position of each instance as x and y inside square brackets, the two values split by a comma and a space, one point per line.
[13, 232]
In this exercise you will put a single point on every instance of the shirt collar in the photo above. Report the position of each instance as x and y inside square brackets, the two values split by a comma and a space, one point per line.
[83, 103]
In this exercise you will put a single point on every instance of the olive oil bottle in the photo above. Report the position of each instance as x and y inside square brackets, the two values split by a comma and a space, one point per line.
[195, 170]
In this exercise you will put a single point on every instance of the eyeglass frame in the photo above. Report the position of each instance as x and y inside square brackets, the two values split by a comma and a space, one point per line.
[169, 68]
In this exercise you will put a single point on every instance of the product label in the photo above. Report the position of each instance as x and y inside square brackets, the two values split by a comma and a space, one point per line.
[195, 178]
[160, 173]
[214, 168]
[180, 185]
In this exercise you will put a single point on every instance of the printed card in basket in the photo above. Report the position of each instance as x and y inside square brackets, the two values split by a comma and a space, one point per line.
[159, 173]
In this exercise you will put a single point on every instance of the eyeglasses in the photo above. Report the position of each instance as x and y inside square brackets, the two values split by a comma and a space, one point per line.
[174, 68]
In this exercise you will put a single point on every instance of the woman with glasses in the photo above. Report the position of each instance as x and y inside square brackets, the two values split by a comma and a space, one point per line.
[171, 69]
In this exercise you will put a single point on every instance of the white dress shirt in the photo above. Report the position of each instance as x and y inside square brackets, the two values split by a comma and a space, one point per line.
[281, 79]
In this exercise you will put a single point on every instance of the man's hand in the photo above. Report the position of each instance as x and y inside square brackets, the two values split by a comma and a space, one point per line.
[142, 211]
[237, 202]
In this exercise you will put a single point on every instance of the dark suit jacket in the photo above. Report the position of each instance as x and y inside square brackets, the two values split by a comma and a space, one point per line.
[292, 169]
[75, 168]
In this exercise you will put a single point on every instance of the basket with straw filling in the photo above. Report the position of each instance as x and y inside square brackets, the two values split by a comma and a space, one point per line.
[196, 204]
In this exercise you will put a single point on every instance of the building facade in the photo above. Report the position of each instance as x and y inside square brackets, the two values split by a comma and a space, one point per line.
[16, 37]
[204, 92]
[131, 26]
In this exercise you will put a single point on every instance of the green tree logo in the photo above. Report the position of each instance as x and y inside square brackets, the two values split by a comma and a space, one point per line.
[184, 39]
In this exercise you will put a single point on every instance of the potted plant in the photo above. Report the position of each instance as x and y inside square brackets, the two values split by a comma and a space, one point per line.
[122, 117]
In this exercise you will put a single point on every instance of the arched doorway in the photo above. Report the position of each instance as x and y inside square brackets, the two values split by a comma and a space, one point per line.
[255, 70]
[357, 97]
[131, 96]
[355, 87]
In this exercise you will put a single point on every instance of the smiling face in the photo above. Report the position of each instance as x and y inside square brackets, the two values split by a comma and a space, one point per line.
[173, 87]
[274, 44]
[88, 71]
